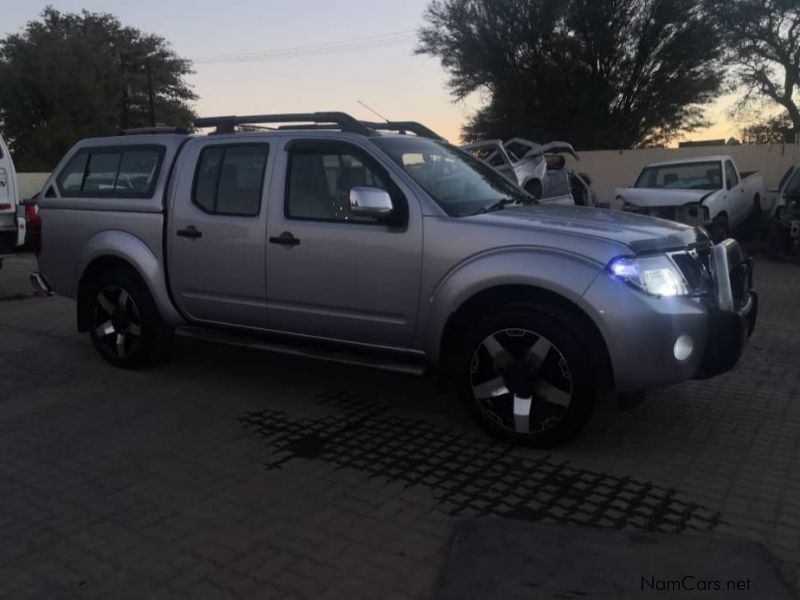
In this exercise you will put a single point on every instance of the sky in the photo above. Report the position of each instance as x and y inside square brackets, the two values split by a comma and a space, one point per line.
[390, 79]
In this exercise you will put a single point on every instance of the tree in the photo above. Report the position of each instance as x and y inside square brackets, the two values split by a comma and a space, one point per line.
[773, 130]
[70, 76]
[763, 38]
[599, 73]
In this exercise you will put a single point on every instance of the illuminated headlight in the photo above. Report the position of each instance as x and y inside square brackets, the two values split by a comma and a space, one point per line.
[655, 275]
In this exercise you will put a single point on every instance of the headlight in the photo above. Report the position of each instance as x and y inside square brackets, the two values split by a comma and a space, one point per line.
[655, 275]
[694, 214]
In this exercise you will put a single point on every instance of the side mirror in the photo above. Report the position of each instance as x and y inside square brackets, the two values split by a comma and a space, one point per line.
[370, 202]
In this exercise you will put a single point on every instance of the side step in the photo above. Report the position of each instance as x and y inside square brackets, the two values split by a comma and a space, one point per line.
[375, 359]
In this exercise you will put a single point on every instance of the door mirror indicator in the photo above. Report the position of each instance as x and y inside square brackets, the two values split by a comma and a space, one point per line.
[368, 201]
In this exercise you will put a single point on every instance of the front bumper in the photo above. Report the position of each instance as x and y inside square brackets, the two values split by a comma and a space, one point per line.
[642, 332]
[727, 338]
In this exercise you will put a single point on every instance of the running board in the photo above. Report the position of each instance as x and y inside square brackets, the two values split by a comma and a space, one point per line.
[376, 359]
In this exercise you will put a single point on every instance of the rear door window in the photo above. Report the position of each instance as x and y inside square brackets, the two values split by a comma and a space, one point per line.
[229, 180]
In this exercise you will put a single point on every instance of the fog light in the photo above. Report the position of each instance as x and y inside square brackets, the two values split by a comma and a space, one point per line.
[683, 347]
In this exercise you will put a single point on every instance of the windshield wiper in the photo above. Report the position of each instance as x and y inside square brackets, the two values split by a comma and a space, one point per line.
[498, 205]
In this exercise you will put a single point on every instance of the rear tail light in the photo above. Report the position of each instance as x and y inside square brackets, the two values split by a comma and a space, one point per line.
[34, 227]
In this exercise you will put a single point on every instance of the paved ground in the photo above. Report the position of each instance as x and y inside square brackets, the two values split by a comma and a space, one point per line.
[233, 474]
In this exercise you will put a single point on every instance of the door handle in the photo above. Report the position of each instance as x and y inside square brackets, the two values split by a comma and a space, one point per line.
[285, 239]
[190, 232]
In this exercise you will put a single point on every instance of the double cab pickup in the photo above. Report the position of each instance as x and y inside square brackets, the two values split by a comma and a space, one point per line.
[380, 244]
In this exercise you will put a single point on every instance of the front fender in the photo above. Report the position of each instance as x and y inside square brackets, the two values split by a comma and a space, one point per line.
[560, 272]
[134, 251]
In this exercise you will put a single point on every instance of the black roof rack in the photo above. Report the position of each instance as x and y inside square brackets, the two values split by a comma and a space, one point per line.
[227, 124]
[402, 127]
[154, 130]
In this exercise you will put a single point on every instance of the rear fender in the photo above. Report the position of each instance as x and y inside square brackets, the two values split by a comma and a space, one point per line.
[132, 250]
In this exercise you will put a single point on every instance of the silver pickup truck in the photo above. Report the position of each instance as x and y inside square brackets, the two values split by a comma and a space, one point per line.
[382, 245]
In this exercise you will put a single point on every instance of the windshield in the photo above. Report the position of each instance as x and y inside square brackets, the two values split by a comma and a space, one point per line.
[459, 183]
[683, 176]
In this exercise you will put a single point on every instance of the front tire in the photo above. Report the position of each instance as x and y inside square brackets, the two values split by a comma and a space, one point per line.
[529, 374]
[126, 328]
[719, 230]
[779, 243]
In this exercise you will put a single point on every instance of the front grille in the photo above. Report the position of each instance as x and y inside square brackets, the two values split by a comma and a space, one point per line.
[695, 265]
[665, 212]
[740, 275]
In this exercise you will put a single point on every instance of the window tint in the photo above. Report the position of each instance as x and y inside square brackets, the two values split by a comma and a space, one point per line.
[319, 183]
[124, 172]
[137, 171]
[205, 187]
[101, 174]
[70, 179]
[229, 179]
[793, 187]
[731, 179]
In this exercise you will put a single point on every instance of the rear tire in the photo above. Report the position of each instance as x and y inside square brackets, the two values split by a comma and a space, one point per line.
[125, 326]
[528, 373]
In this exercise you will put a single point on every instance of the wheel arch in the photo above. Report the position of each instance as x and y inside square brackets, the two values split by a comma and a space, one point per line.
[480, 303]
[111, 250]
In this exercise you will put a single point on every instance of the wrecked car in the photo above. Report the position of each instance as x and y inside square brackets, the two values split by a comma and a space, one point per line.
[783, 234]
[708, 191]
[540, 169]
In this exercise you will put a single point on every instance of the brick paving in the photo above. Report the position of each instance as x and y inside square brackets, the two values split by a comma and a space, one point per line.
[235, 474]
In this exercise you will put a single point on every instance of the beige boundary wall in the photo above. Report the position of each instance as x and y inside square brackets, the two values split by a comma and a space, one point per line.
[30, 183]
[610, 169]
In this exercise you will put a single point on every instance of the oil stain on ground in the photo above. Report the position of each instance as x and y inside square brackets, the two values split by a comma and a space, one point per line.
[471, 475]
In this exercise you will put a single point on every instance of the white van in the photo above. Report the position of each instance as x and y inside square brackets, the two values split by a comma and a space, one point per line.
[12, 226]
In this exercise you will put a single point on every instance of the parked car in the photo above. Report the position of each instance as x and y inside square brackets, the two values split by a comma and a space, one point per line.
[392, 251]
[12, 227]
[707, 190]
[783, 234]
[540, 169]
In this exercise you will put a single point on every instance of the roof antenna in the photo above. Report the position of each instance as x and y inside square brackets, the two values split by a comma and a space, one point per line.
[372, 110]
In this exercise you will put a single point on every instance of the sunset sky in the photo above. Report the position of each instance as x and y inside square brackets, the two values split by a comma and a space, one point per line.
[256, 56]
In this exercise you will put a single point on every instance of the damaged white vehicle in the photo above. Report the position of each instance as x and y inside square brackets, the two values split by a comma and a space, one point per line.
[707, 190]
[540, 169]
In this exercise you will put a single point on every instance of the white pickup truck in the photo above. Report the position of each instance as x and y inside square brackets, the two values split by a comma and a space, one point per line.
[707, 190]
[12, 227]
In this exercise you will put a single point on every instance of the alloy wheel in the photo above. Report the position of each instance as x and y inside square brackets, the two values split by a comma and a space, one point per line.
[117, 322]
[521, 381]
